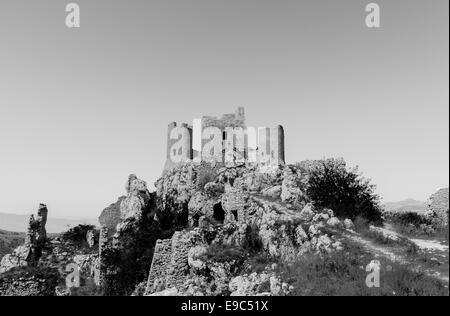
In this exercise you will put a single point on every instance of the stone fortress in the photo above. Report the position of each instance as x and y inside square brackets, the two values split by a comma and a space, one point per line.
[225, 140]
[235, 144]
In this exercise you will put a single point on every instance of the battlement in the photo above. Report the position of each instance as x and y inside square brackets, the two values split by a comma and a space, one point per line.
[225, 140]
[226, 120]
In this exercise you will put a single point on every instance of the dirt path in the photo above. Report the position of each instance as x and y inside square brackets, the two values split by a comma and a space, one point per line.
[391, 254]
[377, 250]
[429, 245]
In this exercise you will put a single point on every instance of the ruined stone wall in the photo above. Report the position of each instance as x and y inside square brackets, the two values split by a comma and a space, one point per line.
[160, 265]
[179, 267]
[224, 123]
[235, 205]
[103, 244]
[227, 120]
[170, 262]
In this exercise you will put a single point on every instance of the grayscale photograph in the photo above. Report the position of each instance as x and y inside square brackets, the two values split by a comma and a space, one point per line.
[228, 154]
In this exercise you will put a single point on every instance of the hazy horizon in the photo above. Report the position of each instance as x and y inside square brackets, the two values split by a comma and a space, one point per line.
[81, 109]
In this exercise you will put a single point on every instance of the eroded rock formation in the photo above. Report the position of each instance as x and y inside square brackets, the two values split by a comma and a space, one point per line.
[110, 216]
[30, 252]
[247, 213]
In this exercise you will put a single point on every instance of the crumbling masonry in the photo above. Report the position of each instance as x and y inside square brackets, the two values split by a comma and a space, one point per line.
[170, 263]
[237, 143]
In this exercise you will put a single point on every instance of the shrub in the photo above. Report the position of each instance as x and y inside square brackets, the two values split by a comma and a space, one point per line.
[361, 224]
[379, 238]
[252, 242]
[205, 174]
[224, 253]
[77, 234]
[333, 185]
[259, 262]
[408, 218]
[416, 225]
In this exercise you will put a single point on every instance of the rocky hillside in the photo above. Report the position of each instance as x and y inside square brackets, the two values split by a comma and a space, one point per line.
[211, 230]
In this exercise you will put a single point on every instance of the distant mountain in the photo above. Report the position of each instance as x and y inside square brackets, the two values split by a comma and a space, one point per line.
[18, 223]
[408, 205]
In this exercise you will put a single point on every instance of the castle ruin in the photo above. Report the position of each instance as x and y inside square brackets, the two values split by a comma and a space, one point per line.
[226, 140]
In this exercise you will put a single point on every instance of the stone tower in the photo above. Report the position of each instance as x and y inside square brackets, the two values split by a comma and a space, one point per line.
[225, 139]
[179, 145]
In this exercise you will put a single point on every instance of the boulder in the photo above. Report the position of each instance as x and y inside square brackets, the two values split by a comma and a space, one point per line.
[307, 213]
[348, 224]
[194, 258]
[334, 222]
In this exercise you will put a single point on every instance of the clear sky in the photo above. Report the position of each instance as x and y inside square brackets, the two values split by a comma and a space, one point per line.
[80, 109]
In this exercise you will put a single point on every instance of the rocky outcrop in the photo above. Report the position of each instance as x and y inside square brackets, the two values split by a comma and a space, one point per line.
[181, 262]
[134, 206]
[30, 252]
[110, 216]
[200, 206]
[137, 199]
[438, 207]
[129, 251]
[176, 188]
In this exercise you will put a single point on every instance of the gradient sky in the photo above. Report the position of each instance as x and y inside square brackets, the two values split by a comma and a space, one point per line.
[80, 109]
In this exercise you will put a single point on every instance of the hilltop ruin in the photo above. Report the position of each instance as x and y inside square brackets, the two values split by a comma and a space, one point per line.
[225, 140]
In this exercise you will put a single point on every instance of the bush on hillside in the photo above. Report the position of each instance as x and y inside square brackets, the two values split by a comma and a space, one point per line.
[205, 173]
[332, 185]
[416, 225]
[77, 234]
[225, 253]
